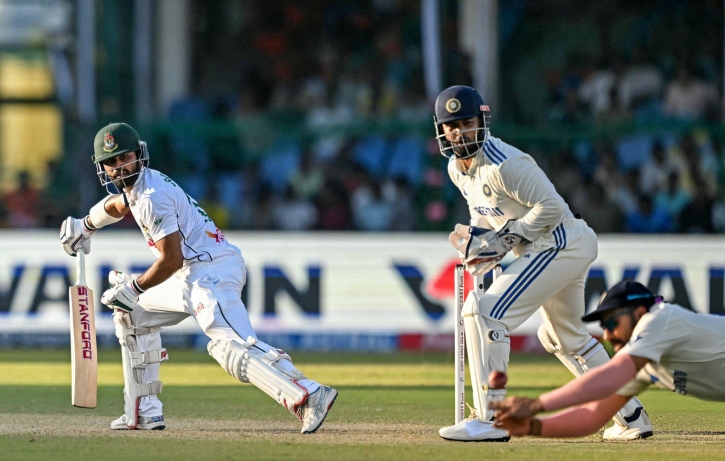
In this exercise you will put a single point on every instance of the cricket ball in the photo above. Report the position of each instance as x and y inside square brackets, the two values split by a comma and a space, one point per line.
[497, 380]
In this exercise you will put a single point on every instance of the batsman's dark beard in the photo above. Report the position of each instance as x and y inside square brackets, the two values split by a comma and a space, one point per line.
[126, 180]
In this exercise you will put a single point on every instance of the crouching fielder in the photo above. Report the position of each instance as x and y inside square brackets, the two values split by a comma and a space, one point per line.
[514, 207]
[197, 273]
[656, 343]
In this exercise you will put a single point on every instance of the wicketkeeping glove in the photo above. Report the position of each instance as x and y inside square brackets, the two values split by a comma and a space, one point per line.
[481, 249]
[123, 296]
[76, 234]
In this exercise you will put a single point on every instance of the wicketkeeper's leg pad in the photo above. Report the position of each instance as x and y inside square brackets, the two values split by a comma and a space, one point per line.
[134, 364]
[267, 368]
[488, 346]
[590, 356]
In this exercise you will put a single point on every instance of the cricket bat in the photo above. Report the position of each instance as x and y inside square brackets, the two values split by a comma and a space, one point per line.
[84, 359]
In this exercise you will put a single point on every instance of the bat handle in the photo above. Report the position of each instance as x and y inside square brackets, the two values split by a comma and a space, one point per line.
[81, 268]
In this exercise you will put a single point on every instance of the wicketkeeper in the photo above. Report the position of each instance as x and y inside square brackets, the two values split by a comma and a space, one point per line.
[197, 273]
[656, 342]
[514, 207]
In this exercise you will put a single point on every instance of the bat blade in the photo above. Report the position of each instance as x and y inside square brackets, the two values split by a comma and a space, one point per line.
[84, 354]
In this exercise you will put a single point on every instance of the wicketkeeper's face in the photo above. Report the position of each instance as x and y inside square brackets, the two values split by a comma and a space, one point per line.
[460, 132]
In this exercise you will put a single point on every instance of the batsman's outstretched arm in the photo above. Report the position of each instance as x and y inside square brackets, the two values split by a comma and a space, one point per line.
[124, 296]
[75, 234]
[108, 211]
[170, 261]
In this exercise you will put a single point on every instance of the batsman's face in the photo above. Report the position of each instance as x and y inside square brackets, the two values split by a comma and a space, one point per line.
[122, 169]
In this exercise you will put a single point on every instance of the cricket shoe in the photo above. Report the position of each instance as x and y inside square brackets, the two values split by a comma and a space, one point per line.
[314, 411]
[474, 430]
[145, 423]
[639, 427]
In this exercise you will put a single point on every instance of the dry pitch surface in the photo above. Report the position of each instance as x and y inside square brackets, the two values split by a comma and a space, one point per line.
[390, 407]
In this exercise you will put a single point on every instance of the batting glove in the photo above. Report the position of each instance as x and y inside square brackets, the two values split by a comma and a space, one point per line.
[75, 234]
[123, 297]
[118, 277]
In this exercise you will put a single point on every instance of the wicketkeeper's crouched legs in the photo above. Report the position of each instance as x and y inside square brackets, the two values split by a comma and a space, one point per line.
[488, 346]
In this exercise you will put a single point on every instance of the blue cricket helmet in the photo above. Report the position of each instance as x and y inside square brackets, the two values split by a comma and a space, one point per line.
[457, 103]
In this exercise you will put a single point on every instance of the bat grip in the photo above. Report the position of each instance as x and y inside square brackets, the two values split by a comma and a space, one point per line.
[81, 268]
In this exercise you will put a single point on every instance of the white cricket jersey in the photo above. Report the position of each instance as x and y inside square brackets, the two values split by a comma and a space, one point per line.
[686, 349]
[160, 207]
[504, 183]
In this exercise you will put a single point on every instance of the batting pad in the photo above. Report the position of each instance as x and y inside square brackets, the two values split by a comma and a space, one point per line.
[134, 364]
[249, 363]
[488, 346]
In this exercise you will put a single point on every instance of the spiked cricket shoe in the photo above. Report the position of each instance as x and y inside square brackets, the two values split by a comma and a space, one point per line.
[145, 423]
[314, 411]
[638, 427]
[474, 430]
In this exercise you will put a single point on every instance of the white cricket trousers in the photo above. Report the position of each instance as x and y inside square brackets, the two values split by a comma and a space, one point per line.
[209, 291]
[552, 278]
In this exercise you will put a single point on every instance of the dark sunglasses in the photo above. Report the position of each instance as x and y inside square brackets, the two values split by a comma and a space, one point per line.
[611, 323]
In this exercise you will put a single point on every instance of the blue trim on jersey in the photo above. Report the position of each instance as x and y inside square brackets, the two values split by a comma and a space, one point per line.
[532, 271]
[492, 155]
[501, 154]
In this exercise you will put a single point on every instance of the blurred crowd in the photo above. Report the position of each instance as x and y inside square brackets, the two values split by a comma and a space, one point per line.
[323, 124]
[635, 90]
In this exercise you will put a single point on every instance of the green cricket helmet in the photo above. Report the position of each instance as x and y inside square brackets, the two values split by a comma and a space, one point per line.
[112, 141]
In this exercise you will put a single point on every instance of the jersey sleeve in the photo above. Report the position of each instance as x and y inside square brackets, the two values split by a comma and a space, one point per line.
[523, 180]
[159, 216]
[655, 334]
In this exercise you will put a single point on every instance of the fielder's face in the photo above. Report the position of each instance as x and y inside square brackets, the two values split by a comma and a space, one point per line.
[462, 134]
[122, 169]
[618, 328]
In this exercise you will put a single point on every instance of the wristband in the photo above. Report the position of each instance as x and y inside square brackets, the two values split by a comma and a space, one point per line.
[87, 226]
[535, 427]
[136, 287]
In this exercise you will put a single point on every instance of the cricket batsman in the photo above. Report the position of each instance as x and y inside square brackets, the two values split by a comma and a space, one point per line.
[197, 273]
[655, 343]
[514, 207]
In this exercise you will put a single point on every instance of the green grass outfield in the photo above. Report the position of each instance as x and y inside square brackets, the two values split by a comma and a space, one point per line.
[389, 407]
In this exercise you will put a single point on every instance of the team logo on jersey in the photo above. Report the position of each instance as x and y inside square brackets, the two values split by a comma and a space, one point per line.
[218, 236]
[453, 105]
[109, 143]
[486, 190]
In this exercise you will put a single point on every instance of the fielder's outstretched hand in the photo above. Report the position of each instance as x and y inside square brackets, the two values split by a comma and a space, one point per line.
[515, 407]
[520, 426]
